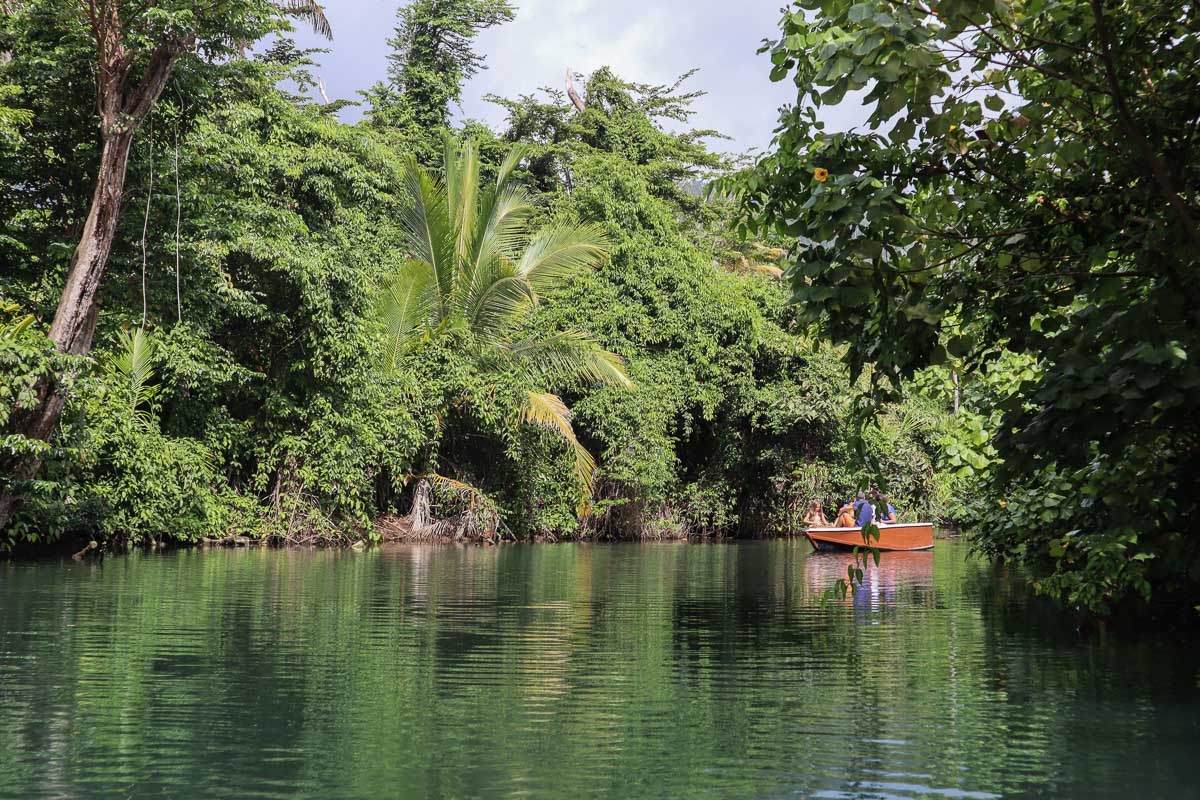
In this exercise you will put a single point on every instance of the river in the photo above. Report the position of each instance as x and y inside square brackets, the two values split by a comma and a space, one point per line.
[574, 671]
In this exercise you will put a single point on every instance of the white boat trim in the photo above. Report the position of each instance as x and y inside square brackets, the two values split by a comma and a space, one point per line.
[882, 525]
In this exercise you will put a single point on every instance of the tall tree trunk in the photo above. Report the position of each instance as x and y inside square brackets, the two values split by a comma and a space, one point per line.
[121, 113]
[75, 321]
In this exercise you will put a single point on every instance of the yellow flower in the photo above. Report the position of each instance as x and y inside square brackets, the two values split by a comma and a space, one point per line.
[820, 174]
[1004, 504]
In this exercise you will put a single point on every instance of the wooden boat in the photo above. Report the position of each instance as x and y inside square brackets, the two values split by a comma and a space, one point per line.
[901, 536]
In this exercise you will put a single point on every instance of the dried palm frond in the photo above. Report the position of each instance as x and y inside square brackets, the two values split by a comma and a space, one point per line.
[444, 507]
[310, 11]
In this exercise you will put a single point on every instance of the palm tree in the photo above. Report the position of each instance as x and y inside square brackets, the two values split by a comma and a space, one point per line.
[476, 271]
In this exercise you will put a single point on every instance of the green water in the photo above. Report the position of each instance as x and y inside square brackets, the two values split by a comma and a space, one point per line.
[573, 671]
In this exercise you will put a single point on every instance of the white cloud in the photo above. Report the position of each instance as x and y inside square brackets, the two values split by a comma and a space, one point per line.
[650, 41]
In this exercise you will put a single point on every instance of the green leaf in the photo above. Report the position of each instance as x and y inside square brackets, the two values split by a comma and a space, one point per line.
[960, 346]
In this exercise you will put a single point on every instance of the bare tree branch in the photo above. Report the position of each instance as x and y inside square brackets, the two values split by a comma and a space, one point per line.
[571, 93]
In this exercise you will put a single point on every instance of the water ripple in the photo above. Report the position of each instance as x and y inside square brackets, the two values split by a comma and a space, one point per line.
[701, 671]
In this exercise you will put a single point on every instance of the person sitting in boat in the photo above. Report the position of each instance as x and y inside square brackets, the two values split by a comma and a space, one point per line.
[885, 512]
[864, 511]
[845, 517]
[815, 518]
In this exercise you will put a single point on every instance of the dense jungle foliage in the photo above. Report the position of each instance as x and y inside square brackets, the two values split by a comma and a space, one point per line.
[246, 377]
[1024, 211]
[306, 330]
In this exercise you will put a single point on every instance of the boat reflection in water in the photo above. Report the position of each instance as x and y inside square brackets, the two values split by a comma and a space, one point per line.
[897, 572]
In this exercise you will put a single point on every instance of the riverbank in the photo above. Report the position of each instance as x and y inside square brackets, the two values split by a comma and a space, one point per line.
[1162, 614]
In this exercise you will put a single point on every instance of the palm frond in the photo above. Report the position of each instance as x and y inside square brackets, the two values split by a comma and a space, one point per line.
[560, 252]
[460, 490]
[566, 358]
[511, 159]
[550, 412]
[461, 169]
[471, 512]
[500, 230]
[428, 227]
[310, 11]
[14, 329]
[501, 303]
[132, 365]
[405, 306]
[500, 227]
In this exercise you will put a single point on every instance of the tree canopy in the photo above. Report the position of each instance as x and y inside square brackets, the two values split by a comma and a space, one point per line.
[433, 55]
[1024, 198]
[309, 330]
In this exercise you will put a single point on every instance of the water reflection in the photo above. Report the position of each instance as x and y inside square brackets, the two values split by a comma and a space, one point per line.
[881, 583]
[572, 670]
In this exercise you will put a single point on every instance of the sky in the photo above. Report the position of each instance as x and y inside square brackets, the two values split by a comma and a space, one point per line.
[648, 41]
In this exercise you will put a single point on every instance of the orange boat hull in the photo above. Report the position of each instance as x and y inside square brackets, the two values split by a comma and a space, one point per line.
[914, 536]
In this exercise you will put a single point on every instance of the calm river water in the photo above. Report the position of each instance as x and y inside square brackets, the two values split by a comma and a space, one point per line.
[573, 671]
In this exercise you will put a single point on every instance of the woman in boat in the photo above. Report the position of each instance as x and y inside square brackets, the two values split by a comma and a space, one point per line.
[815, 518]
[845, 517]
[885, 512]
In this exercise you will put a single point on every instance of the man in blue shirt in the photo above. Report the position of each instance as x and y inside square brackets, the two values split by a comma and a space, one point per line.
[864, 512]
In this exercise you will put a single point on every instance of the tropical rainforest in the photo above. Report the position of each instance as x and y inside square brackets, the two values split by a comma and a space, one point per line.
[225, 313]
